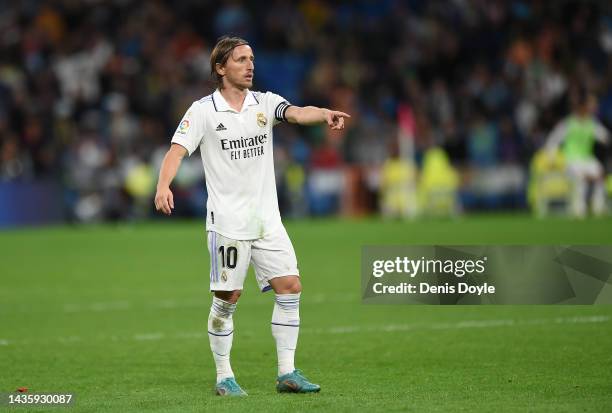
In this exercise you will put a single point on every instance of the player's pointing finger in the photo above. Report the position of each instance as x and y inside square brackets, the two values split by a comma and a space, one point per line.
[342, 114]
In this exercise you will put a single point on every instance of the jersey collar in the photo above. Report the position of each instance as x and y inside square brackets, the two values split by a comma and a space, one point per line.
[221, 104]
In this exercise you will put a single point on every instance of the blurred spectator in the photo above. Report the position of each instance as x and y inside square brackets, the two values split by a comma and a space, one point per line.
[438, 185]
[577, 135]
[398, 191]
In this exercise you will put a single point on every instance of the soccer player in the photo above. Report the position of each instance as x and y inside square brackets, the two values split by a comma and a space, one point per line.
[233, 128]
[578, 133]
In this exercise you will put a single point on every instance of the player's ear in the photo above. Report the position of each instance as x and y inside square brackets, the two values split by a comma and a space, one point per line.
[220, 69]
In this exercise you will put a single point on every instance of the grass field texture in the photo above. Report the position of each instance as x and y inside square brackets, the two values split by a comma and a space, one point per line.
[117, 316]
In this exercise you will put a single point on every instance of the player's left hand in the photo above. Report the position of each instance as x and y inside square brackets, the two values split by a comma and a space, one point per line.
[164, 200]
[335, 119]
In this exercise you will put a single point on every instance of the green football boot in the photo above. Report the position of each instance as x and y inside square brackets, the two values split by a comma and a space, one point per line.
[229, 387]
[295, 383]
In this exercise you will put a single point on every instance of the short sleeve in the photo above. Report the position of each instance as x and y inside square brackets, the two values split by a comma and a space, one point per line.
[601, 133]
[278, 106]
[190, 130]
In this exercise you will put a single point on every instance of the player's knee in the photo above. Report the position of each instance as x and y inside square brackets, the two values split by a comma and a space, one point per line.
[296, 286]
[229, 296]
[289, 285]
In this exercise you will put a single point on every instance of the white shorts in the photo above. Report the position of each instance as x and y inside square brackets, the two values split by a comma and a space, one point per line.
[272, 256]
[585, 169]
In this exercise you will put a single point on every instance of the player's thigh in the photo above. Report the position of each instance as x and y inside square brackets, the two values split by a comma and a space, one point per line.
[272, 257]
[229, 262]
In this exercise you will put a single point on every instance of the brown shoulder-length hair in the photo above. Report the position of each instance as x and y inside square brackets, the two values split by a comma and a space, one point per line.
[220, 54]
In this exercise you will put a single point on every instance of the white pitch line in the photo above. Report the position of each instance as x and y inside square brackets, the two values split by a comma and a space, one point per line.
[385, 328]
[148, 337]
[191, 335]
[97, 307]
[460, 325]
[163, 304]
[582, 319]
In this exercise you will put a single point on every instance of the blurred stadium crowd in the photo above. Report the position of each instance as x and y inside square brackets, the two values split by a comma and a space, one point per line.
[91, 92]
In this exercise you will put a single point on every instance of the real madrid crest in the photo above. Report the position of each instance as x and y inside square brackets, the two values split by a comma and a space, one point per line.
[261, 120]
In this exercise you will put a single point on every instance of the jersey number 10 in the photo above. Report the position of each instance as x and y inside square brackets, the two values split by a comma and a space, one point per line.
[228, 260]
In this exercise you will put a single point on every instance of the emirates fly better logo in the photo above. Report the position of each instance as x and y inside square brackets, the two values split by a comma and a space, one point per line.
[245, 148]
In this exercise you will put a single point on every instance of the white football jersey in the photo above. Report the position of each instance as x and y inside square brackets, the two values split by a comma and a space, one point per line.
[236, 149]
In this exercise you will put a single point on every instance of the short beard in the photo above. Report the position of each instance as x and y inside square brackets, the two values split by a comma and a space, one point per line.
[239, 85]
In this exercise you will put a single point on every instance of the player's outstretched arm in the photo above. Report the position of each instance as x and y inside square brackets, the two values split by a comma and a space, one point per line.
[164, 200]
[311, 115]
[556, 137]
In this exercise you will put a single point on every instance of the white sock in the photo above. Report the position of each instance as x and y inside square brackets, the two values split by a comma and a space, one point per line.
[220, 334]
[579, 197]
[285, 329]
[598, 199]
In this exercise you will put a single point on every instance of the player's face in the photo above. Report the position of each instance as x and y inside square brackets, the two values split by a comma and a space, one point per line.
[592, 105]
[240, 67]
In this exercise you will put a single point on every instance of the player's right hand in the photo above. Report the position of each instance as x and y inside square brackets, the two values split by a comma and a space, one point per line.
[164, 200]
[335, 119]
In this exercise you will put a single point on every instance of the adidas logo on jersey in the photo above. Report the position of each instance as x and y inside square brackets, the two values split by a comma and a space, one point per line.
[220, 127]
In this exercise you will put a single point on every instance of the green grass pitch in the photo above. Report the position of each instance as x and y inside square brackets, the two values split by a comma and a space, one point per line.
[117, 315]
